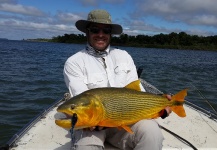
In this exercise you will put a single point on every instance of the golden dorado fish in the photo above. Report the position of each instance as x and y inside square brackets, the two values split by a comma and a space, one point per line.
[117, 107]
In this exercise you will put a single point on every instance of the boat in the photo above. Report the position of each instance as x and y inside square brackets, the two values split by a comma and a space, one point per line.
[198, 130]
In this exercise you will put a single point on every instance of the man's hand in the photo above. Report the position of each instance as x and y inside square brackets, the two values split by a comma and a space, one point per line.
[168, 109]
[97, 128]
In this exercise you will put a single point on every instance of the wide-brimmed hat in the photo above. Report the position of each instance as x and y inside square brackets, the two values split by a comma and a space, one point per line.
[101, 17]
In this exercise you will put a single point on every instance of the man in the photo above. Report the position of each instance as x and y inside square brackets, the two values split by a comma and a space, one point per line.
[99, 65]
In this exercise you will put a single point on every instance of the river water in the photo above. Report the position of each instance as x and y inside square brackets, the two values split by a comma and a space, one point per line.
[31, 77]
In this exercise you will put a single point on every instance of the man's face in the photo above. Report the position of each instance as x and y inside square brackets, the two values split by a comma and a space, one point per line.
[99, 36]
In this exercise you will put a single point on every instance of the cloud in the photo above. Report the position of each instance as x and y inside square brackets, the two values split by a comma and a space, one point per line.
[20, 9]
[114, 1]
[24, 25]
[181, 11]
[30, 22]
[171, 7]
[99, 2]
[210, 20]
[140, 27]
[89, 2]
[25, 29]
[190, 16]
[135, 27]
[67, 17]
[8, 1]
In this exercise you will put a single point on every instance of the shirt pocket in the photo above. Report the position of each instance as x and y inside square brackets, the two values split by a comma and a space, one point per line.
[121, 74]
[96, 80]
[122, 69]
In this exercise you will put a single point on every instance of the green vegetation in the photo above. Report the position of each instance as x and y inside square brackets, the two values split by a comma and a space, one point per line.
[170, 41]
[38, 40]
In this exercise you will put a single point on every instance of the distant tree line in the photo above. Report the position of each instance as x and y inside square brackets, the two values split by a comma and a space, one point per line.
[172, 41]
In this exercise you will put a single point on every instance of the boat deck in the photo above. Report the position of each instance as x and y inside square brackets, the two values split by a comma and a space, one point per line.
[196, 128]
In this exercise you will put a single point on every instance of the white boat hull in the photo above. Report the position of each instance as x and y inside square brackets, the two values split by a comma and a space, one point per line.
[196, 128]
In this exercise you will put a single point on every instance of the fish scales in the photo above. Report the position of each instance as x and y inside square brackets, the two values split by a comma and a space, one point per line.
[130, 104]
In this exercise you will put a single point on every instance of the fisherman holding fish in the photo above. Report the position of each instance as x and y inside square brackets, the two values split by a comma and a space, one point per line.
[99, 65]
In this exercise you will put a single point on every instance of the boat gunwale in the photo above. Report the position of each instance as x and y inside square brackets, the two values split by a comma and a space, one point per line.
[204, 111]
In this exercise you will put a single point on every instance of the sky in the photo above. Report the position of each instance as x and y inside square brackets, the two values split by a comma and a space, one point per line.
[31, 19]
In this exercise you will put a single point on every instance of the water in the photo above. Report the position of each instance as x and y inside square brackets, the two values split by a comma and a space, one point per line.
[31, 77]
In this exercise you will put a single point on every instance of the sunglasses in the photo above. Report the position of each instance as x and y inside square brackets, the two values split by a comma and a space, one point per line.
[96, 30]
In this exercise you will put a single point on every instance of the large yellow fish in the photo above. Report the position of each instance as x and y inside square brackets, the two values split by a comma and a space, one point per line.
[117, 107]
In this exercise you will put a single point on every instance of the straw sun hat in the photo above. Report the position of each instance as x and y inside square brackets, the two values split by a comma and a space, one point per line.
[101, 17]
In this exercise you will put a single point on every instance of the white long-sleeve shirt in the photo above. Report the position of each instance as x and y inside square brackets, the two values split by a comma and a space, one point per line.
[83, 71]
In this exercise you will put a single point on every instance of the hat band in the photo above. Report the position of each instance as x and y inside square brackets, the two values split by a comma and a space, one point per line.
[104, 21]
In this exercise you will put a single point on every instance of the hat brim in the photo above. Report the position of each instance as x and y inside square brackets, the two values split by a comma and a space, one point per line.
[81, 25]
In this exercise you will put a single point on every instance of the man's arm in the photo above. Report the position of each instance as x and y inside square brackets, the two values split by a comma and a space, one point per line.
[74, 78]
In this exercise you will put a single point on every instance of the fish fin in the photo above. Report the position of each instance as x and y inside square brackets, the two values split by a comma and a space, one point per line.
[155, 116]
[179, 110]
[128, 129]
[179, 97]
[119, 128]
[135, 85]
[159, 114]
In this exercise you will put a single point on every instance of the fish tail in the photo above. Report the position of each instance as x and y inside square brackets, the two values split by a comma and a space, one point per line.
[178, 101]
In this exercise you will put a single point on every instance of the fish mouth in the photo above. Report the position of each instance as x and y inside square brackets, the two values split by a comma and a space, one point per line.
[60, 115]
[63, 120]
[66, 120]
[65, 116]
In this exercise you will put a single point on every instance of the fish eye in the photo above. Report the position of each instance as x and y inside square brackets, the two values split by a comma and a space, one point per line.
[73, 106]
